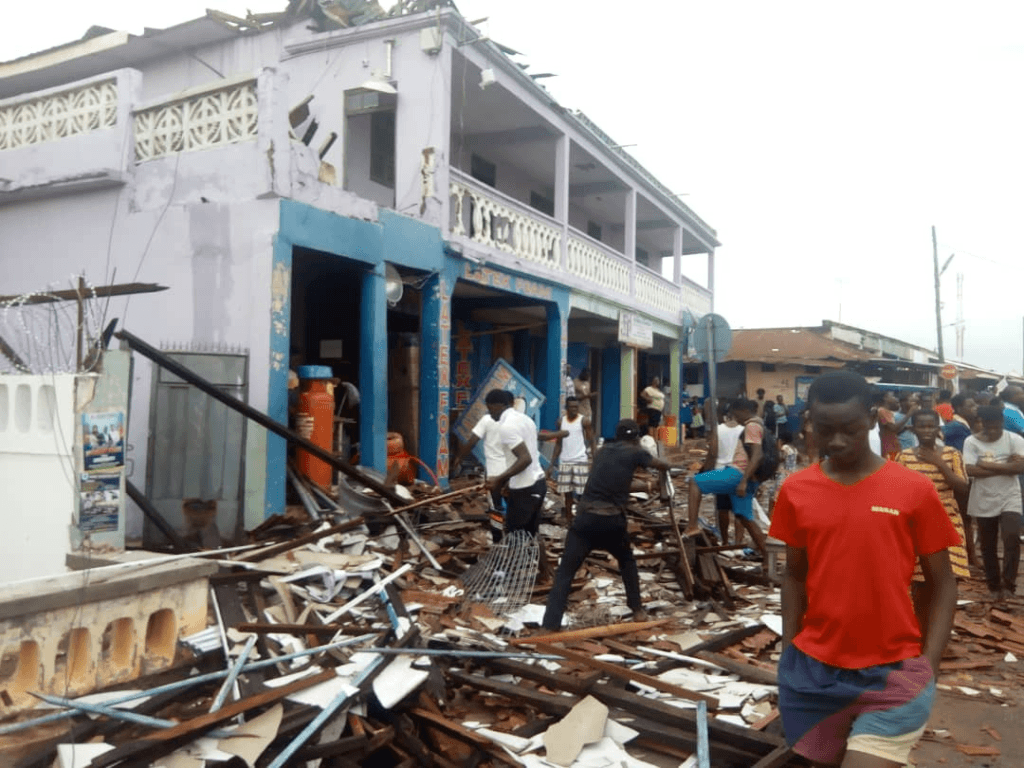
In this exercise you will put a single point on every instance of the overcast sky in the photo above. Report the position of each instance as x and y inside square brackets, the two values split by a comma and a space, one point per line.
[821, 140]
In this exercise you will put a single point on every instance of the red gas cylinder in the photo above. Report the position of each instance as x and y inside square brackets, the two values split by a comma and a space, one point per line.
[316, 403]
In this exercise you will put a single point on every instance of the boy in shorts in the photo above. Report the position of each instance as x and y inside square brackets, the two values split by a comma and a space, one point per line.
[857, 673]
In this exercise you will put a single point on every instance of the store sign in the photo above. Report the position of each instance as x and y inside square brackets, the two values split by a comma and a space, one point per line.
[635, 331]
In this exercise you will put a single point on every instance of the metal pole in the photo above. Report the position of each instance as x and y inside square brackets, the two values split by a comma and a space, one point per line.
[712, 374]
[138, 345]
[703, 748]
[938, 299]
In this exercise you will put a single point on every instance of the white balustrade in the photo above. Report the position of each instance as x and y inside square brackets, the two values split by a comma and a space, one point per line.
[597, 266]
[207, 120]
[500, 224]
[58, 115]
[656, 292]
[695, 299]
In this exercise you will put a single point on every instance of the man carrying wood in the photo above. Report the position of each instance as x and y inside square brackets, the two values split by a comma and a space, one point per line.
[600, 520]
[857, 673]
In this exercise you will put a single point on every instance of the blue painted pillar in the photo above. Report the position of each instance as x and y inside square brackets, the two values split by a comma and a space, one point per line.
[435, 376]
[555, 357]
[521, 350]
[610, 359]
[277, 394]
[373, 370]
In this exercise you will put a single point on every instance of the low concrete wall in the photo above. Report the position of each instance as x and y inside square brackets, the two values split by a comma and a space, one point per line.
[75, 633]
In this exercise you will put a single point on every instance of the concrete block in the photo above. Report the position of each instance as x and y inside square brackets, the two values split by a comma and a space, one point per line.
[78, 632]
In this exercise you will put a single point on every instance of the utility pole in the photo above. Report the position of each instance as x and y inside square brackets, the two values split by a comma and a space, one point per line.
[960, 322]
[938, 300]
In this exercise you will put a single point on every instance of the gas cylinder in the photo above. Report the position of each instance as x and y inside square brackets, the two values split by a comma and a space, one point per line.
[316, 403]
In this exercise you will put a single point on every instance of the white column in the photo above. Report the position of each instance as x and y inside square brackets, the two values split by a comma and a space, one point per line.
[711, 277]
[562, 153]
[629, 236]
[677, 256]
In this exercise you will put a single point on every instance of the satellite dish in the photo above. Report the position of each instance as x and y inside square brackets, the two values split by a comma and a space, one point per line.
[393, 285]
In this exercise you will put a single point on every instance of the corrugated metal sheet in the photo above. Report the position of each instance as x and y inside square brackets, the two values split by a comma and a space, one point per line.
[802, 346]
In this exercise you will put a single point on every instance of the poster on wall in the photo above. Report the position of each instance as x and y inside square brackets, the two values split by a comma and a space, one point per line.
[501, 376]
[99, 501]
[103, 440]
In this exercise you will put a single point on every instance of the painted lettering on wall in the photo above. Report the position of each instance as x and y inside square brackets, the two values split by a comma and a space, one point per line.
[444, 363]
[463, 366]
[493, 278]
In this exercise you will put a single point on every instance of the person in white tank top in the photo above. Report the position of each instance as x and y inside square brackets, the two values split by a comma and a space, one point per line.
[570, 454]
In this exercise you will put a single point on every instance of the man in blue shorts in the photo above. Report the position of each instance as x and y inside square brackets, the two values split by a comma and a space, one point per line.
[857, 673]
[736, 477]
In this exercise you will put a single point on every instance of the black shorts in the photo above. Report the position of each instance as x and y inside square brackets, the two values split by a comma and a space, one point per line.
[524, 506]
[653, 417]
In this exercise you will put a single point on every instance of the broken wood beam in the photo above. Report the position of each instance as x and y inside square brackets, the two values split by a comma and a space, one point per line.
[614, 670]
[746, 671]
[309, 538]
[544, 702]
[590, 632]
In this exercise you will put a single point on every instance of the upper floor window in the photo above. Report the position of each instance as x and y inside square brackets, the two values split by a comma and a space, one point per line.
[593, 230]
[382, 148]
[542, 203]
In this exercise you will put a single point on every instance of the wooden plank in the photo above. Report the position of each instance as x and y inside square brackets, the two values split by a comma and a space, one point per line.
[746, 671]
[591, 632]
[776, 759]
[622, 673]
[545, 702]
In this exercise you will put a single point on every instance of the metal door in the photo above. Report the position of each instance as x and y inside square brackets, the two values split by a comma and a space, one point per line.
[197, 444]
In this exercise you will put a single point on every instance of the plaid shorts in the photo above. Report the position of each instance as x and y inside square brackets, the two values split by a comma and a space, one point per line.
[572, 476]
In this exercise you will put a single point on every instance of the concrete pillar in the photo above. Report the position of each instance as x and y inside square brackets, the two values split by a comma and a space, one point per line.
[627, 383]
[630, 238]
[435, 376]
[562, 168]
[555, 357]
[277, 392]
[610, 390]
[711, 277]
[675, 358]
[677, 256]
[373, 370]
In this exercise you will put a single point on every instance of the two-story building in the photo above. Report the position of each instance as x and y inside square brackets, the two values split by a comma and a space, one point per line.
[273, 172]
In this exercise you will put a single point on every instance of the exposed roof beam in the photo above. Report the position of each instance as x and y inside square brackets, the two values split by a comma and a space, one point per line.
[526, 135]
[596, 188]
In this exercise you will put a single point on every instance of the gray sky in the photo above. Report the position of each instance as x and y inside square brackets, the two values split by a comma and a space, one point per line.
[821, 140]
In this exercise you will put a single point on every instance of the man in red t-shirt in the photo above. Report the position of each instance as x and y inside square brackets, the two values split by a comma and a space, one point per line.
[857, 673]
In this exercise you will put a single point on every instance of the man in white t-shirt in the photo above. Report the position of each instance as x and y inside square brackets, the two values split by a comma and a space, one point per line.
[993, 458]
[496, 459]
[523, 473]
[570, 454]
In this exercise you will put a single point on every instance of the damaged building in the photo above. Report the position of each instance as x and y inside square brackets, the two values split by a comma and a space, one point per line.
[389, 194]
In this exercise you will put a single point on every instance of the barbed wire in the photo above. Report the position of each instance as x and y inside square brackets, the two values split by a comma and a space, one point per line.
[43, 337]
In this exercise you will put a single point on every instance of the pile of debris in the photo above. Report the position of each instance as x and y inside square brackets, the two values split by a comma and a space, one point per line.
[390, 635]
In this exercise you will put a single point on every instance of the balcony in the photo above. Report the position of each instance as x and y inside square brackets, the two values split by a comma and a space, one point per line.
[520, 237]
[67, 138]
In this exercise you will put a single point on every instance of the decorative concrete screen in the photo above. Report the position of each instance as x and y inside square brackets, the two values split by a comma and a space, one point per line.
[203, 121]
[59, 115]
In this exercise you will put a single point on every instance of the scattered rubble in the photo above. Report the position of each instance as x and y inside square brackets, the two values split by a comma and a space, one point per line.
[352, 639]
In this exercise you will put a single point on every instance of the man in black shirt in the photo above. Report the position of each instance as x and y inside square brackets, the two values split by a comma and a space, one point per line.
[600, 520]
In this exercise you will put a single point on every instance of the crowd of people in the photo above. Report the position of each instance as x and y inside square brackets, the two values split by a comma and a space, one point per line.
[878, 527]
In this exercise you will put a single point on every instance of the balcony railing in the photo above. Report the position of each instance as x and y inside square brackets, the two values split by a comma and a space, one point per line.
[223, 115]
[486, 216]
[593, 263]
[497, 220]
[92, 107]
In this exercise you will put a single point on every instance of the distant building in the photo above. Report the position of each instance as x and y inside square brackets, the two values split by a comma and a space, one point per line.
[784, 361]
